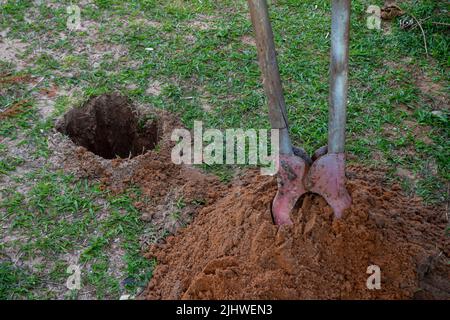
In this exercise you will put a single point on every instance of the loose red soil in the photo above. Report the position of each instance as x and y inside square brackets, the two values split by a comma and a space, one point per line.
[232, 250]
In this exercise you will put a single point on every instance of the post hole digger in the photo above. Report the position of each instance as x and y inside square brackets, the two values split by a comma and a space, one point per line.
[324, 172]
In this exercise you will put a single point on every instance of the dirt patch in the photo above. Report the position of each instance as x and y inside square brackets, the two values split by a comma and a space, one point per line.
[233, 251]
[434, 92]
[100, 52]
[154, 88]
[407, 174]
[146, 22]
[206, 105]
[10, 51]
[108, 126]
[190, 39]
[202, 22]
[46, 100]
[248, 40]
[419, 131]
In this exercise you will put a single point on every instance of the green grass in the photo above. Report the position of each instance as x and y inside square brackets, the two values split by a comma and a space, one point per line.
[59, 214]
[9, 164]
[16, 282]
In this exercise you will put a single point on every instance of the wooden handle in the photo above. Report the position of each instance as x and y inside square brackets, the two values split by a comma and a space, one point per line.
[270, 72]
[340, 25]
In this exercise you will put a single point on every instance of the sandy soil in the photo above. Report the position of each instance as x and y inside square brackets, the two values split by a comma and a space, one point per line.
[233, 251]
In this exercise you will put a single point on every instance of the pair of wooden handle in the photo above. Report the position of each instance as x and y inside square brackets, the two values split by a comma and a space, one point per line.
[338, 73]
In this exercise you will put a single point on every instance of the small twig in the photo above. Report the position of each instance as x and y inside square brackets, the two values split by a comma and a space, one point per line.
[418, 23]
[441, 23]
[421, 21]
[423, 32]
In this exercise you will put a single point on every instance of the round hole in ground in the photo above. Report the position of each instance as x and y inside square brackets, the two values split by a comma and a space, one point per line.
[109, 126]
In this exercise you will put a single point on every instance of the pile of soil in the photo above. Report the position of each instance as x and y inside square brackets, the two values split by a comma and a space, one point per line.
[108, 126]
[173, 193]
[177, 192]
[232, 250]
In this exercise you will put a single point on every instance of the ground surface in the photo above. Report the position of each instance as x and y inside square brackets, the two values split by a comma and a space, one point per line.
[61, 205]
[234, 251]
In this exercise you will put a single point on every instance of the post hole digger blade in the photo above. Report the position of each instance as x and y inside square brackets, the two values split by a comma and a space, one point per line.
[298, 174]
